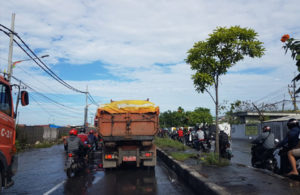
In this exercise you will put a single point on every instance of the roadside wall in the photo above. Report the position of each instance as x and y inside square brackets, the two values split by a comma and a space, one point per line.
[197, 182]
[243, 131]
[32, 134]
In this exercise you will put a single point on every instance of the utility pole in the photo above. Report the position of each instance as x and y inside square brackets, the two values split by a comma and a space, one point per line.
[293, 94]
[11, 42]
[86, 108]
[283, 102]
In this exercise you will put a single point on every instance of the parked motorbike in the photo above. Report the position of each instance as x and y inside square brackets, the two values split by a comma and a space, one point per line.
[190, 139]
[225, 150]
[264, 159]
[73, 164]
[201, 145]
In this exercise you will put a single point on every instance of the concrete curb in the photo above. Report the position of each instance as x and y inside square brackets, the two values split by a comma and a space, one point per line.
[192, 178]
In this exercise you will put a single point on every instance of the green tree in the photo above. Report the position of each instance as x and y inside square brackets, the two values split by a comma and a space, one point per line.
[213, 57]
[294, 46]
[201, 116]
[183, 118]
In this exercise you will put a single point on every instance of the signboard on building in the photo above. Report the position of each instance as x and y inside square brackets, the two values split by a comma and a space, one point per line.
[251, 129]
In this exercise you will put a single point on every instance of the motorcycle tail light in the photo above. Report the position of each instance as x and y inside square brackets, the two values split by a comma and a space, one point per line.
[89, 145]
[148, 154]
[70, 154]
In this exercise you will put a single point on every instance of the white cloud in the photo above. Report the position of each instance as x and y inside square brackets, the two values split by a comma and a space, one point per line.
[131, 36]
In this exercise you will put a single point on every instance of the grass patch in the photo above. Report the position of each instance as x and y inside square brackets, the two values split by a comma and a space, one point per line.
[44, 145]
[182, 156]
[169, 143]
[214, 159]
[21, 146]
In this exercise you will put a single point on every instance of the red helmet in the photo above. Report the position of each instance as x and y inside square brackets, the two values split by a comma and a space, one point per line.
[91, 131]
[73, 132]
[266, 128]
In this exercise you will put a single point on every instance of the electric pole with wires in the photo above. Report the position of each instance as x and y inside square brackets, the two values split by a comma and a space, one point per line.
[86, 108]
[11, 42]
[292, 93]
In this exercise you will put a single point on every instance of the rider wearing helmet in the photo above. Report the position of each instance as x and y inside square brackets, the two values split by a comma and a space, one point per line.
[92, 138]
[73, 143]
[293, 145]
[265, 142]
[291, 138]
[266, 138]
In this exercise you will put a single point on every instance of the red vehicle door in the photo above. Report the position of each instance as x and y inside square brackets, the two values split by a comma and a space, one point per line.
[7, 128]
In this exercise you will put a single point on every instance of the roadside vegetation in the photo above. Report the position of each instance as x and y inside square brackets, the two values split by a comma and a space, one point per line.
[183, 156]
[182, 118]
[167, 143]
[21, 146]
[214, 159]
[181, 152]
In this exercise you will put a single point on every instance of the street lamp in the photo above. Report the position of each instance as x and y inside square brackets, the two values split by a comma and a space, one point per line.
[14, 64]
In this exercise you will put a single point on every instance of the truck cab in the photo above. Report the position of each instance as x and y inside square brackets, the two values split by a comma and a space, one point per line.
[8, 160]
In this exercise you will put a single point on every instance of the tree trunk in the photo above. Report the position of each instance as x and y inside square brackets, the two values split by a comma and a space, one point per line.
[217, 116]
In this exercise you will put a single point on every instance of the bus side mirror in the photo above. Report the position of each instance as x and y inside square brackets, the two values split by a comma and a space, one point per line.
[24, 98]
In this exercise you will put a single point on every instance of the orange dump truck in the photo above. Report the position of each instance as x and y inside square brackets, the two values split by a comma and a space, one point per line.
[127, 128]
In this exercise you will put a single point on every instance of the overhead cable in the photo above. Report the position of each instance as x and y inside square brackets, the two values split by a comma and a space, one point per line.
[45, 68]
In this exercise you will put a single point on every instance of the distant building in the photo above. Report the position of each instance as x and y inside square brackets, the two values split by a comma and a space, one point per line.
[250, 125]
[253, 117]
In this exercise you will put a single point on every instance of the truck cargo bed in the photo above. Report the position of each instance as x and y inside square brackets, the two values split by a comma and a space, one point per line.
[124, 126]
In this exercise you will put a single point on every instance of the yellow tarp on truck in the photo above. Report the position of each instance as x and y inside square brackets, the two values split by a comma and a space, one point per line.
[129, 106]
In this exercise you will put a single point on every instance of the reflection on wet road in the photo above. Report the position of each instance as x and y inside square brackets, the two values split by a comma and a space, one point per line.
[41, 172]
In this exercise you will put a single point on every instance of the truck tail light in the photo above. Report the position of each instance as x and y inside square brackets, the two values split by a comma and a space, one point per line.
[148, 154]
[108, 156]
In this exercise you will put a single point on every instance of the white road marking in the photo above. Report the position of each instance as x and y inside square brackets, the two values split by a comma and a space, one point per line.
[98, 178]
[54, 188]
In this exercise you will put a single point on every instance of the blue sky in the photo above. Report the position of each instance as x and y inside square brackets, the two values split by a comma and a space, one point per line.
[136, 49]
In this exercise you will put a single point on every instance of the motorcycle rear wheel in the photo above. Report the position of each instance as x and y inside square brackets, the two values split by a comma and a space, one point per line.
[70, 173]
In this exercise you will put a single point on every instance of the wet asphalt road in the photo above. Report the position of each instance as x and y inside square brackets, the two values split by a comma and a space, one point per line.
[241, 150]
[41, 172]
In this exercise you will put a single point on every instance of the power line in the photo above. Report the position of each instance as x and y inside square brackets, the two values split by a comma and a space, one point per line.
[31, 75]
[42, 94]
[92, 99]
[55, 111]
[268, 95]
[45, 68]
[50, 114]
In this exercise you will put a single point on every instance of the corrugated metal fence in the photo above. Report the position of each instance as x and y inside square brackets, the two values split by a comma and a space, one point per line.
[32, 134]
[243, 131]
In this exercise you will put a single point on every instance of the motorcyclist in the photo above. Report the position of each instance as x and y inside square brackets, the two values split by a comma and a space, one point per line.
[264, 142]
[92, 140]
[84, 139]
[223, 142]
[73, 143]
[201, 139]
[180, 135]
[292, 142]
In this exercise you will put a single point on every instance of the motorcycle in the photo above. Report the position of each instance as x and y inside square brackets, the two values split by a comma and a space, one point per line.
[285, 166]
[225, 151]
[73, 164]
[190, 139]
[264, 159]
